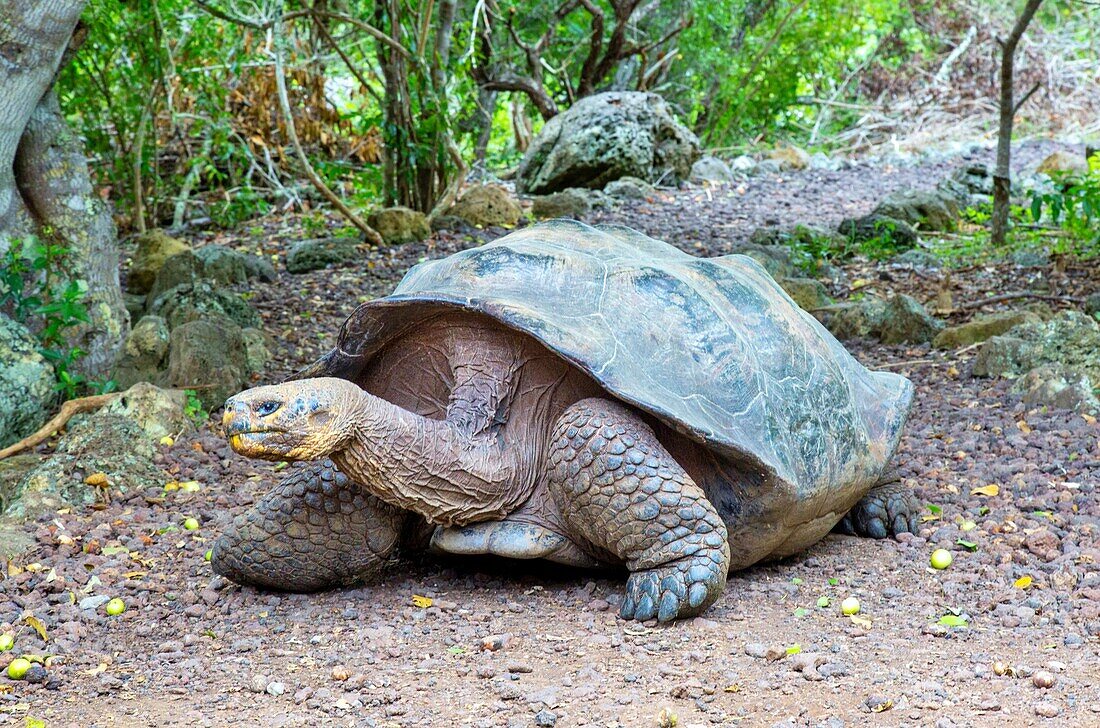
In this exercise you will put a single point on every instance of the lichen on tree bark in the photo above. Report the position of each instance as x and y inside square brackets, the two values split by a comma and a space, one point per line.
[45, 186]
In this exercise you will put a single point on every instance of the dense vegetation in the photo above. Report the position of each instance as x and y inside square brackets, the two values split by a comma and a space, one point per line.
[179, 102]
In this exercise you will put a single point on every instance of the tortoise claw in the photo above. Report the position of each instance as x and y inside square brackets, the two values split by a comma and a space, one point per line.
[886, 511]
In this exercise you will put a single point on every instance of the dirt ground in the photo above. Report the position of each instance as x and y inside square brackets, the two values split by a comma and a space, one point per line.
[192, 649]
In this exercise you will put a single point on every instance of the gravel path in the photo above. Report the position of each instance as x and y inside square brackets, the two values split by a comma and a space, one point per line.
[192, 649]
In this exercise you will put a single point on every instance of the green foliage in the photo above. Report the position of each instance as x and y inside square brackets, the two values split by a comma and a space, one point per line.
[781, 59]
[194, 409]
[32, 287]
[1074, 205]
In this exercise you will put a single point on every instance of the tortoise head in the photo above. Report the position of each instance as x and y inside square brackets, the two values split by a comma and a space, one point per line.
[306, 419]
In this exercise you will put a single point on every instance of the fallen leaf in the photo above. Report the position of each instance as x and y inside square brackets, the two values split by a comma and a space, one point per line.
[732, 688]
[422, 602]
[97, 479]
[968, 545]
[954, 620]
[859, 621]
[96, 670]
[1022, 583]
[794, 649]
[990, 490]
[882, 707]
[1088, 418]
[1024, 426]
[39, 627]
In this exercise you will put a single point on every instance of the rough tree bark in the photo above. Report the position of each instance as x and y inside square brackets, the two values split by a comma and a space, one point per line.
[45, 187]
[1002, 175]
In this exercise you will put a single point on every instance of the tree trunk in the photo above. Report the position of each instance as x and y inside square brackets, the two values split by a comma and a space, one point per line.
[45, 187]
[1002, 175]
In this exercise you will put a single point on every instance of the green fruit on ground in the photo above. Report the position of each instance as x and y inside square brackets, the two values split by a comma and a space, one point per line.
[6, 642]
[116, 607]
[849, 606]
[941, 559]
[18, 668]
[209, 554]
[191, 524]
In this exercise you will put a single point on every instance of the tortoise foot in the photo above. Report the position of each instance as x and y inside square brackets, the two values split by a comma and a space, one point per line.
[887, 510]
[623, 495]
[674, 591]
[316, 529]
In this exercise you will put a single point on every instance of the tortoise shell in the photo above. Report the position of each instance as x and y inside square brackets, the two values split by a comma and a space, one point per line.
[714, 347]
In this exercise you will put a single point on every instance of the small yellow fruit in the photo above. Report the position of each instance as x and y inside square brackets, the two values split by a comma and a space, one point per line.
[191, 524]
[18, 668]
[167, 441]
[849, 606]
[6, 642]
[116, 607]
[941, 559]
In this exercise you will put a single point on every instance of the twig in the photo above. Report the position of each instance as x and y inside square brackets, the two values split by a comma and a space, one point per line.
[1014, 296]
[68, 410]
[1027, 96]
[900, 364]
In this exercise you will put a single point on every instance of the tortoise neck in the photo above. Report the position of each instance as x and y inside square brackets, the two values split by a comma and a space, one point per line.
[428, 466]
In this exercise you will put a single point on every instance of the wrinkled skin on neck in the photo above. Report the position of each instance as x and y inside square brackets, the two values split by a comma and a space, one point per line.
[428, 466]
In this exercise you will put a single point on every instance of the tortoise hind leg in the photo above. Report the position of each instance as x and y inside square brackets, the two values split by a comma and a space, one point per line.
[887, 510]
[316, 529]
[621, 494]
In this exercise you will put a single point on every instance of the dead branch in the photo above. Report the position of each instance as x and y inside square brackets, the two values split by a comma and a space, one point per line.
[1016, 296]
[284, 102]
[68, 410]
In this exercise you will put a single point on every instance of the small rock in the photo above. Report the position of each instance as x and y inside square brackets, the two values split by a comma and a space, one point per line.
[495, 642]
[1043, 679]
[275, 688]
[399, 225]
[757, 650]
[258, 683]
[1047, 709]
[94, 602]
[546, 719]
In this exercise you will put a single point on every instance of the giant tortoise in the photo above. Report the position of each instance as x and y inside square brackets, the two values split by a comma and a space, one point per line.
[587, 395]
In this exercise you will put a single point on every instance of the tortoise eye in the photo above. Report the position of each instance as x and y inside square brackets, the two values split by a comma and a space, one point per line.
[267, 408]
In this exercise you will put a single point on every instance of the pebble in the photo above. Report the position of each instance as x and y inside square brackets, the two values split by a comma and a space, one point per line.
[258, 683]
[546, 719]
[495, 642]
[757, 650]
[93, 602]
[1047, 709]
[275, 688]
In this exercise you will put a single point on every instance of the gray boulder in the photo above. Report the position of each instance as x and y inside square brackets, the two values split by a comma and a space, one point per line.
[982, 328]
[487, 206]
[1092, 305]
[899, 320]
[399, 225]
[157, 412]
[154, 247]
[26, 383]
[143, 352]
[1059, 388]
[573, 203]
[922, 209]
[189, 302]
[106, 442]
[1070, 339]
[180, 270]
[308, 255]
[808, 293]
[892, 232]
[776, 259]
[607, 136]
[713, 171]
[222, 265]
[629, 188]
[211, 353]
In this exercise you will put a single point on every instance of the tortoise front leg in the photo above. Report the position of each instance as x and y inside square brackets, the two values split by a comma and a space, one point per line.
[887, 510]
[620, 492]
[316, 529]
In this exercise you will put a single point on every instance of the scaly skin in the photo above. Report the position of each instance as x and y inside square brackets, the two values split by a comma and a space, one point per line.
[621, 493]
[887, 510]
[316, 529]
